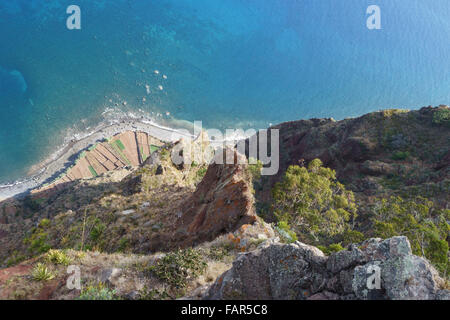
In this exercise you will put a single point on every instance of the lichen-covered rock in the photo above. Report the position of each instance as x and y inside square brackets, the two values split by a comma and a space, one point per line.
[345, 280]
[360, 281]
[110, 276]
[378, 249]
[376, 269]
[409, 277]
[345, 259]
[276, 271]
[403, 275]
[443, 295]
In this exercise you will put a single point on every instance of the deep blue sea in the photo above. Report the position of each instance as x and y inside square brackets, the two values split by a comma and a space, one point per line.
[229, 63]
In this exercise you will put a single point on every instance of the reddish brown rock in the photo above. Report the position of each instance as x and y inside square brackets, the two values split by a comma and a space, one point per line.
[222, 203]
[50, 289]
[8, 273]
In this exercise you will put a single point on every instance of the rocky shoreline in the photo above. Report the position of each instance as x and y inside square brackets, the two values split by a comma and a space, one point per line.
[49, 169]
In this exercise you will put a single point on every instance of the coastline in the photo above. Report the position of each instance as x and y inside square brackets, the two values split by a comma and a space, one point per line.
[62, 159]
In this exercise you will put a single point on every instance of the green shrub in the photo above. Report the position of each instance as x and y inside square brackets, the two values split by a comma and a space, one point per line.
[400, 155]
[32, 204]
[38, 240]
[201, 172]
[153, 294]
[42, 273]
[255, 169]
[194, 164]
[58, 257]
[164, 155]
[15, 258]
[286, 233]
[313, 203]
[44, 223]
[219, 252]
[388, 113]
[352, 236]
[98, 292]
[123, 244]
[335, 247]
[425, 226]
[176, 268]
[442, 117]
[97, 230]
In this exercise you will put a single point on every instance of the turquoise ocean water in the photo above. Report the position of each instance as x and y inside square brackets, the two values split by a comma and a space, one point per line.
[229, 63]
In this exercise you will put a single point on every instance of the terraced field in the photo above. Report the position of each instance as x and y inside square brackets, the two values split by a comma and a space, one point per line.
[128, 148]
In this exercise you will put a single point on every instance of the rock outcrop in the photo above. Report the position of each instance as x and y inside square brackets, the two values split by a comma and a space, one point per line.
[222, 203]
[299, 271]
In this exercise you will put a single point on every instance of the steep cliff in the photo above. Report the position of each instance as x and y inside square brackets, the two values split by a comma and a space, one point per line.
[124, 227]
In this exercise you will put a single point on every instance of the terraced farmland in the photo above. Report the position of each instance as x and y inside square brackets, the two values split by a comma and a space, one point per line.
[128, 148]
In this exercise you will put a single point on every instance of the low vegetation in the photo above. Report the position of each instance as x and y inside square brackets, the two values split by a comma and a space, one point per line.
[400, 155]
[312, 206]
[178, 267]
[255, 166]
[335, 247]
[153, 294]
[97, 292]
[58, 257]
[442, 117]
[38, 240]
[42, 273]
[425, 226]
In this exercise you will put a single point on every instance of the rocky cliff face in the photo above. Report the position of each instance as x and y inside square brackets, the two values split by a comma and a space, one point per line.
[298, 271]
[378, 154]
[160, 206]
[222, 203]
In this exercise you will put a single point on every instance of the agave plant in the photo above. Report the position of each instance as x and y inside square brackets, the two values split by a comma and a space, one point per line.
[58, 257]
[42, 273]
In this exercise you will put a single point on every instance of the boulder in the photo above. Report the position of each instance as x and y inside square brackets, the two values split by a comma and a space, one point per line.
[409, 277]
[345, 259]
[110, 276]
[132, 185]
[276, 271]
[375, 269]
